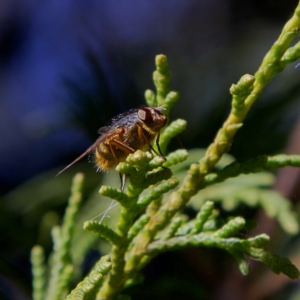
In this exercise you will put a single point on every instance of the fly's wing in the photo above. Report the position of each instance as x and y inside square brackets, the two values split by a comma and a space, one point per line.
[103, 130]
[89, 150]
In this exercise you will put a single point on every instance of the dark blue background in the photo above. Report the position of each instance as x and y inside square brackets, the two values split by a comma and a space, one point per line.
[67, 67]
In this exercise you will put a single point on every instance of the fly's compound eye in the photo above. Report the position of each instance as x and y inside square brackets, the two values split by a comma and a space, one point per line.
[144, 115]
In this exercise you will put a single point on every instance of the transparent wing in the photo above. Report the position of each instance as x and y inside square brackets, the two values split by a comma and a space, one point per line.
[104, 130]
[89, 150]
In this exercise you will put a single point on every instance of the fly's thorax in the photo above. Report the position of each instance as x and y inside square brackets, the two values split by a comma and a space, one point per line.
[133, 138]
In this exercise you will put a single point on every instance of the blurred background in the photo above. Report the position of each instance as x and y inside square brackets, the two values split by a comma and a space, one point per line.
[68, 67]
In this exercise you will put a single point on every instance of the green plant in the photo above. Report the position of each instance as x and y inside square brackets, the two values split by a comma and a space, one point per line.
[152, 219]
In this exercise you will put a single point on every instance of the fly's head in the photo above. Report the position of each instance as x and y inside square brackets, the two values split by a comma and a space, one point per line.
[152, 117]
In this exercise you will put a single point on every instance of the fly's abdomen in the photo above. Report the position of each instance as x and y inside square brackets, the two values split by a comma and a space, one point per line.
[107, 156]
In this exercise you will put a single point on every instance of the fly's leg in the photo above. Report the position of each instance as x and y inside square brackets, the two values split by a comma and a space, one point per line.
[158, 147]
[116, 143]
[113, 152]
[121, 146]
[159, 150]
[141, 133]
[123, 181]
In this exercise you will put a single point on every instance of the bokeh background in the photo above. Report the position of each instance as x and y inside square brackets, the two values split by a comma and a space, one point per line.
[67, 67]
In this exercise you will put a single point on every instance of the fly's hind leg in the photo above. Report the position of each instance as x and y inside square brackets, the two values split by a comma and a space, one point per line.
[125, 148]
[123, 181]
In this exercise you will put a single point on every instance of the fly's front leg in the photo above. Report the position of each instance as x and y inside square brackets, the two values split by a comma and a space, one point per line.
[123, 181]
[158, 147]
[142, 135]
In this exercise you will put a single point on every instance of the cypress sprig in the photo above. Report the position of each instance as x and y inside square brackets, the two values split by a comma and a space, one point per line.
[222, 143]
[276, 263]
[102, 230]
[231, 228]
[290, 55]
[240, 91]
[38, 272]
[211, 224]
[172, 130]
[259, 241]
[88, 288]
[235, 246]
[139, 159]
[150, 98]
[162, 79]
[140, 178]
[154, 206]
[136, 163]
[241, 261]
[155, 163]
[115, 194]
[239, 255]
[137, 226]
[70, 216]
[56, 237]
[172, 159]
[254, 165]
[253, 191]
[172, 228]
[157, 191]
[135, 245]
[202, 217]
[283, 160]
[170, 99]
[198, 240]
[60, 277]
[136, 166]
[270, 66]
[235, 169]
[125, 168]
[157, 175]
[164, 97]
[66, 275]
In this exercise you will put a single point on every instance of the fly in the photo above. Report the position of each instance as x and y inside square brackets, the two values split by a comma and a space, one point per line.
[128, 132]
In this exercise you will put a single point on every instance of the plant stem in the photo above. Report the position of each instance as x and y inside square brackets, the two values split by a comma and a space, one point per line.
[245, 93]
